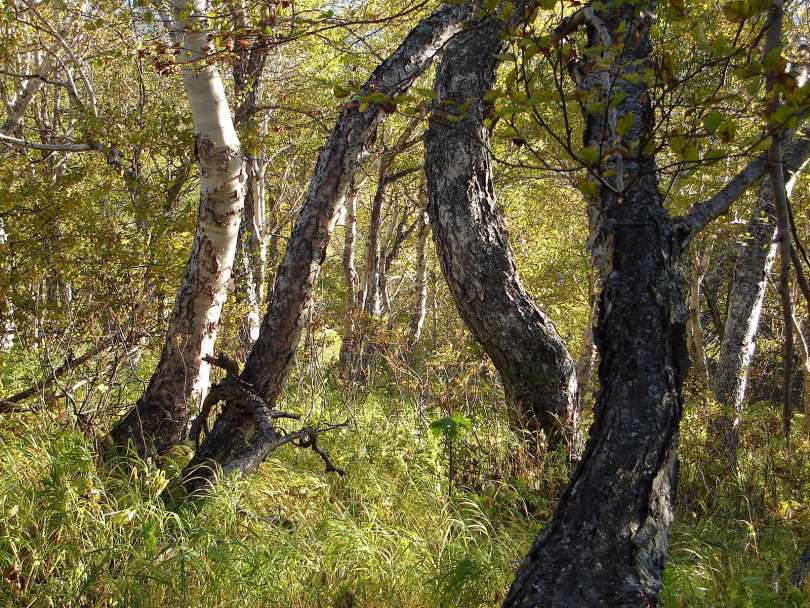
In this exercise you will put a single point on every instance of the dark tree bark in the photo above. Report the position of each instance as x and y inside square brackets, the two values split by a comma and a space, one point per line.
[607, 542]
[473, 246]
[231, 441]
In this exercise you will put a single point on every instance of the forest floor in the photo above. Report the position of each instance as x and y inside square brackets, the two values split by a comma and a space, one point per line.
[75, 531]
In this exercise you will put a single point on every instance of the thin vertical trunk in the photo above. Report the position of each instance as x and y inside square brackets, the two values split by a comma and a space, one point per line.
[231, 441]
[373, 296]
[7, 326]
[420, 282]
[251, 279]
[773, 43]
[404, 228]
[473, 246]
[585, 360]
[353, 294]
[804, 354]
[160, 417]
[753, 263]
[607, 542]
[700, 263]
[252, 250]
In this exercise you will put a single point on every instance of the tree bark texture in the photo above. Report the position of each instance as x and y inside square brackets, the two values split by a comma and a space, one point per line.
[607, 542]
[420, 283]
[754, 260]
[473, 246]
[161, 415]
[250, 280]
[230, 442]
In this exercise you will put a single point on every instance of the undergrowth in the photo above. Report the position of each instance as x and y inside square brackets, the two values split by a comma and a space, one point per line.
[394, 532]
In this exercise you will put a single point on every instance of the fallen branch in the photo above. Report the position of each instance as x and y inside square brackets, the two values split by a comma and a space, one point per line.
[236, 393]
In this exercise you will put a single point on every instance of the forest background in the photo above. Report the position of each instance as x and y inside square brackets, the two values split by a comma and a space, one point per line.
[445, 484]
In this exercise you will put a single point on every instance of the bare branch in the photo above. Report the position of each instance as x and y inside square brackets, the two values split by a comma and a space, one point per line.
[701, 214]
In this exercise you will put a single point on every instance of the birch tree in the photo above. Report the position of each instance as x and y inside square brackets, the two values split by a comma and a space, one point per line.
[237, 442]
[608, 540]
[473, 246]
[160, 417]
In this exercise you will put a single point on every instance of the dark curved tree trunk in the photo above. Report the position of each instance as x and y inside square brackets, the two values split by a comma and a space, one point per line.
[473, 246]
[607, 542]
[230, 442]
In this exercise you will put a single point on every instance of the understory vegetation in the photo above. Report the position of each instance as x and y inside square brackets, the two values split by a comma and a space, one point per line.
[364, 303]
[395, 531]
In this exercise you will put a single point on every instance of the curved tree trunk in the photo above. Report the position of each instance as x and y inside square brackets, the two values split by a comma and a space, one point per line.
[607, 542]
[230, 443]
[473, 246]
[161, 415]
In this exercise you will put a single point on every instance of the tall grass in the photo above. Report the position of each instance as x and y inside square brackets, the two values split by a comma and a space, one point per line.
[76, 532]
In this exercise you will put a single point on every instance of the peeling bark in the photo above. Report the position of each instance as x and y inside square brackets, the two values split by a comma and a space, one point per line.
[250, 280]
[473, 247]
[160, 417]
[233, 442]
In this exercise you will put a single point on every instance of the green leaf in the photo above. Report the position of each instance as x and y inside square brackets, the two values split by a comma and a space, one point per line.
[590, 155]
[624, 124]
[451, 426]
[588, 187]
[712, 120]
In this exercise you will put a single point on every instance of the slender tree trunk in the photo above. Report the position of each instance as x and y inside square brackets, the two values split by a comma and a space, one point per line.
[587, 352]
[804, 353]
[473, 246]
[753, 263]
[230, 443]
[348, 345]
[420, 283]
[700, 263]
[607, 542]
[251, 279]
[252, 250]
[373, 296]
[26, 92]
[161, 415]
[7, 326]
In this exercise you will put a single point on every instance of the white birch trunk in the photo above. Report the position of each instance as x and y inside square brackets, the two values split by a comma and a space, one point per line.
[160, 417]
[420, 283]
